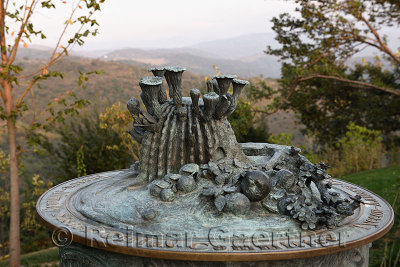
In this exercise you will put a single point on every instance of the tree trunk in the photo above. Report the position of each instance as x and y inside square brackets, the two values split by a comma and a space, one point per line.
[14, 237]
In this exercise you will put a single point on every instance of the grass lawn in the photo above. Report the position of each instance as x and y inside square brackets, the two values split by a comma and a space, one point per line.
[45, 257]
[386, 183]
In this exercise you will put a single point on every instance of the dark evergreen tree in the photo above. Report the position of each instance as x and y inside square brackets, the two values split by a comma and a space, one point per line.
[319, 78]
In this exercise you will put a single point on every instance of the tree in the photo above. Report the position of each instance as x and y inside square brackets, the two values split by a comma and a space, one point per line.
[16, 29]
[319, 78]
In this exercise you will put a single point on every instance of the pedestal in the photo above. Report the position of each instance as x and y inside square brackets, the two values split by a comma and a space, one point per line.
[78, 255]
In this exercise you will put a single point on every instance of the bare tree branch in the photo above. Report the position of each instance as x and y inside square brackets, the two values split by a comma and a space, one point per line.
[27, 89]
[384, 47]
[34, 106]
[358, 83]
[21, 31]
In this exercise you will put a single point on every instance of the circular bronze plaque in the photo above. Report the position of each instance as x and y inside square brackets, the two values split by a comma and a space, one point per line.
[271, 237]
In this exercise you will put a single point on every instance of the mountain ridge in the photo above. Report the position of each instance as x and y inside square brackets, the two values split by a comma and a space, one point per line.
[242, 55]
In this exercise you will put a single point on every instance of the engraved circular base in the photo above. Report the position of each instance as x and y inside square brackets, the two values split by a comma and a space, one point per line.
[78, 255]
[69, 208]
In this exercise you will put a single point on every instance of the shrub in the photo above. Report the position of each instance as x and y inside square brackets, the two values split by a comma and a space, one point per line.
[360, 149]
[247, 126]
[90, 144]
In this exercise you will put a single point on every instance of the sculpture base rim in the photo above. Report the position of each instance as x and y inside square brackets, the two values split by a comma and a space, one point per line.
[374, 220]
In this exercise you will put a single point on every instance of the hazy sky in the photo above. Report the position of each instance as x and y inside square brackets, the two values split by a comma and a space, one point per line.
[169, 23]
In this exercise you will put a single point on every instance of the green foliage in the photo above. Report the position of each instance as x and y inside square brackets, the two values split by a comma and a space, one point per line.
[34, 190]
[318, 81]
[99, 148]
[247, 127]
[80, 165]
[360, 149]
[34, 234]
[285, 139]
[118, 119]
[326, 108]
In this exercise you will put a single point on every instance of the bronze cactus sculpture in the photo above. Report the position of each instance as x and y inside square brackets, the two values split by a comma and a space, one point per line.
[183, 130]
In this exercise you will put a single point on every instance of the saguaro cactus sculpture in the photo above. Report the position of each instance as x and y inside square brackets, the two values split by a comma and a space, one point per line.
[183, 129]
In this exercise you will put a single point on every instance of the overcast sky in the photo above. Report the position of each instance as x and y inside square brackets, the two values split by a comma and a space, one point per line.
[169, 23]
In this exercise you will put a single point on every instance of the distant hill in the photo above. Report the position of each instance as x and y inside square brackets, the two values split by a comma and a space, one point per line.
[249, 67]
[34, 52]
[243, 55]
[255, 65]
[119, 82]
[239, 47]
[44, 52]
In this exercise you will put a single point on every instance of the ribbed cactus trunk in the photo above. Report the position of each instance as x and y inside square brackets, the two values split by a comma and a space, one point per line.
[183, 130]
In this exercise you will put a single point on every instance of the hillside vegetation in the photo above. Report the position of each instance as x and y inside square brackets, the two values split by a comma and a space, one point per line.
[119, 81]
